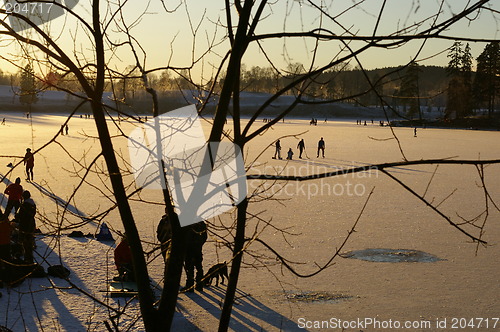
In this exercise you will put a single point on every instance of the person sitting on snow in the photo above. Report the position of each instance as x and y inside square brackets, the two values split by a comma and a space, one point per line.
[123, 261]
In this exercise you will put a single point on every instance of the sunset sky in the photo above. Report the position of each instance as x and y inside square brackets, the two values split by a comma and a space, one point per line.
[167, 38]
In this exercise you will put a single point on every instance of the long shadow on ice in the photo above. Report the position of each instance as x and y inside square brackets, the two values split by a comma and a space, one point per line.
[26, 312]
[3, 198]
[333, 165]
[59, 201]
[248, 313]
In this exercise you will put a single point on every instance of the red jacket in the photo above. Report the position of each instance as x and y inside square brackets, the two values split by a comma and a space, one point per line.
[5, 232]
[15, 191]
[123, 255]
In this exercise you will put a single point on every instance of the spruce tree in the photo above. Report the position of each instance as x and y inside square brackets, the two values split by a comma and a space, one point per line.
[28, 91]
[459, 71]
[486, 82]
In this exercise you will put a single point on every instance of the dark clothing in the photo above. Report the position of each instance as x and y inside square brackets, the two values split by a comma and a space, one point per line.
[26, 218]
[12, 204]
[29, 161]
[4, 254]
[164, 235]
[278, 150]
[301, 146]
[195, 239]
[321, 147]
[6, 229]
[5, 232]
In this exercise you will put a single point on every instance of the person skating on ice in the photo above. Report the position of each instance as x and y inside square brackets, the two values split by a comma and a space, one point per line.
[321, 148]
[301, 146]
[277, 152]
[29, 162]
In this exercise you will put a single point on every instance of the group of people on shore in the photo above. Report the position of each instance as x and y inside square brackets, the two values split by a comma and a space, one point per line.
[196, 236]
[17, 235]
[301, 147]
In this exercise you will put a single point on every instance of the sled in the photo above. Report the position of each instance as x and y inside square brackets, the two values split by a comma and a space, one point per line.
[123, 289]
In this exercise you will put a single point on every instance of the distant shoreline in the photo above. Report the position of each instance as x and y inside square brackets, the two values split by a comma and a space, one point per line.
[463, 124]
[466, 123]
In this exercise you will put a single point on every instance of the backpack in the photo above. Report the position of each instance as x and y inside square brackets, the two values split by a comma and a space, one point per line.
[104, 233]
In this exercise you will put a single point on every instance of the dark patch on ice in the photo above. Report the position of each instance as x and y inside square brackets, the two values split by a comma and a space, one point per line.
[315, 296]
[392, 256]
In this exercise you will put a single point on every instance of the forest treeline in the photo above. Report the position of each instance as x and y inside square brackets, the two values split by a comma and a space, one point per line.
[455, 90]
[433, 83]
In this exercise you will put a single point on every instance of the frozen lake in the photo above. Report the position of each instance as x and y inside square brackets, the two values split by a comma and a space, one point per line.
[317, 215]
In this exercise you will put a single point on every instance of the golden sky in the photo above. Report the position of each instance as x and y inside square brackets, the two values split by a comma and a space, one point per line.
[166, 34]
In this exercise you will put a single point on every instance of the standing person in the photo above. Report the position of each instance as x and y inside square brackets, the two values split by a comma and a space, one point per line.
[415, 132]
[278, 149]
[26, 219]
[66, 129]
[196, 237]
[301, 146]
[321, 147]
[15, 193]
[29, 162]
[3, 121]
[164, 235]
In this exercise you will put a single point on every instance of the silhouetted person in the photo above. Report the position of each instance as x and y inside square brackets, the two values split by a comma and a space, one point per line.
[289, 154]
[321, 147]
[196, 237]
[123, 261]
[278, 150]
[15, 193]
[301, 146]
[164, 235]
[26, 219]
[29, 162]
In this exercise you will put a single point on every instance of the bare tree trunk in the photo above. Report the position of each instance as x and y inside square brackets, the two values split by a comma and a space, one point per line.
[173, 266]
[140, 267]
[239, 241]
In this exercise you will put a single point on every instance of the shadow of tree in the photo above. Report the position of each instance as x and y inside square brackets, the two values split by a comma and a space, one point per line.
[248, 314]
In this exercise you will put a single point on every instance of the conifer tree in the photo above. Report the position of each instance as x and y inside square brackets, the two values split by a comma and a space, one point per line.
[486, 82]
[459, 87]
[28, 91]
